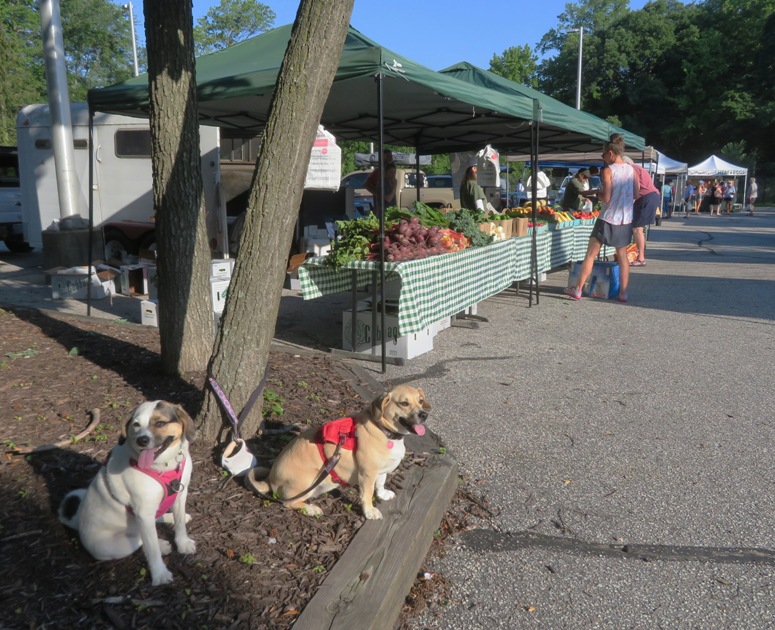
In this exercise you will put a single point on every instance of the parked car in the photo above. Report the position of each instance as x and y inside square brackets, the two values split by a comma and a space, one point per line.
[435, 190]
[11, 228]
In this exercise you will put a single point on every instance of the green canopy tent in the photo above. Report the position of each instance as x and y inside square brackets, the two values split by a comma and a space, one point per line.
[376, 93]
[434, 112]
[555, 114]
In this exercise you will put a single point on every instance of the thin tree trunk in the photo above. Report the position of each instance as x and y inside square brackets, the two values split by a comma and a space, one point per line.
[185, 313]
[248, 322]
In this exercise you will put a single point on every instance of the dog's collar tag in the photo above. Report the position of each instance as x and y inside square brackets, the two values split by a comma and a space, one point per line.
[390, 444]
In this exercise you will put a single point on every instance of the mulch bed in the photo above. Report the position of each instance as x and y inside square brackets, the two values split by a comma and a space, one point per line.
[256, 564]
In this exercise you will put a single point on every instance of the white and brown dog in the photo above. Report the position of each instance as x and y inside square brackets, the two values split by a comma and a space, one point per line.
[371, 447]
[146, 473]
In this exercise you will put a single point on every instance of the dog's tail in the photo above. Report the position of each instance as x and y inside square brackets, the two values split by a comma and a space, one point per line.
[254, 480]
[68, 509]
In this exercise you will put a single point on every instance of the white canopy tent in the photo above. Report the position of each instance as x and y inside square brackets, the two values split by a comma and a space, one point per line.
[714, 166]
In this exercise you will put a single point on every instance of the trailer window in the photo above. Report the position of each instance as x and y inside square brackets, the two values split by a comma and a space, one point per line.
[133, 143]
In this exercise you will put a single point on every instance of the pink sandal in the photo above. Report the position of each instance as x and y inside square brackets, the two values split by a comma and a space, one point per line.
[638, 263]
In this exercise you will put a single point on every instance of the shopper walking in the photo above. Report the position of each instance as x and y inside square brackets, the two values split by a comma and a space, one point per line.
[619, 189]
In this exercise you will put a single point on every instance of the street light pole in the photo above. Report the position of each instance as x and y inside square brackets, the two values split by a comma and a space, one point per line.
[578, 75]
[134, 43]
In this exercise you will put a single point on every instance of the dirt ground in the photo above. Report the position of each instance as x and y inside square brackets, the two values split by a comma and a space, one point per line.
[256, 565]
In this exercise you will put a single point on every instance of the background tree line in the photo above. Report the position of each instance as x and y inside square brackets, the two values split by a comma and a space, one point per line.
[693, 79]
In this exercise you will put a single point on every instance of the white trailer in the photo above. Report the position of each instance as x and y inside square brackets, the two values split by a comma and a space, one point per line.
[123, 181]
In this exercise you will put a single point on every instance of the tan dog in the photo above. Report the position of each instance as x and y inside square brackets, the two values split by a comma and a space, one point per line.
[146, 473]
[379, 430]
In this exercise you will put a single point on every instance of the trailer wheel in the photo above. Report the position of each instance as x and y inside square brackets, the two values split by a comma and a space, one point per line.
[118, 246]
[149, 242]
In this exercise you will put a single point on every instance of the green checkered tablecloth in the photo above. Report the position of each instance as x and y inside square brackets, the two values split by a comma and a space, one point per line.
[440, 286]
[581, 234]
[431, 288]
[561, 246]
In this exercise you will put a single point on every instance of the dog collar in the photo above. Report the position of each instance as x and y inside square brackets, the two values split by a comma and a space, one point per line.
[390, 435]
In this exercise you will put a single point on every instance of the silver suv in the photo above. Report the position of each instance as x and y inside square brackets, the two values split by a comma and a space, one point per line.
[11, 202]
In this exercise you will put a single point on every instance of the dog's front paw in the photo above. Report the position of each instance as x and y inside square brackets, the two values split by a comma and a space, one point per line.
[165, 547]
[161, 576]
[186, 545]
[386, 495]
[372, 514]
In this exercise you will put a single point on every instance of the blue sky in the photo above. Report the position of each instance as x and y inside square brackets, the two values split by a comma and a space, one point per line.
[435, 33]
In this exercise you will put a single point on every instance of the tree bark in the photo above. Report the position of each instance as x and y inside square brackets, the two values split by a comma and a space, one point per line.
[248, 322]
[183, 254]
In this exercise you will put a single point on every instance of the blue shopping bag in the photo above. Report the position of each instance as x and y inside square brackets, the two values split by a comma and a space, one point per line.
[603, 282]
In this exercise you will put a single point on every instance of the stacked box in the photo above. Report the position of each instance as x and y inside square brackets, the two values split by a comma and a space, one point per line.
[74, 283]
[396, 346]
[221, 268]
[219, 289]
[149, 313]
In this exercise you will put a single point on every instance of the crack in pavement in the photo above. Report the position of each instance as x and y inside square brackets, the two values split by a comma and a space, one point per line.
[479, 540]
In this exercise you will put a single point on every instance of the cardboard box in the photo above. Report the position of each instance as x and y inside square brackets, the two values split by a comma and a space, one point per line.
[520, 226]
[219, 289]
[222, 268]
[74, 283]
[318, 246]
[136, 279]
[399, 347]
[149, 313]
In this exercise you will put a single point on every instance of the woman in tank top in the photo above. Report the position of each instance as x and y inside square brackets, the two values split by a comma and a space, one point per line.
[613, 227]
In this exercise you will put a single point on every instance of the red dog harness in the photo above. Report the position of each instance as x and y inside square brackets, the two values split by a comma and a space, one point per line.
[169, 481]
[341, 432]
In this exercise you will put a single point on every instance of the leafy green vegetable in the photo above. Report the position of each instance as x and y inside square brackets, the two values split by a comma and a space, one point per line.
[428, 216]
[353, 242]
[467, 222]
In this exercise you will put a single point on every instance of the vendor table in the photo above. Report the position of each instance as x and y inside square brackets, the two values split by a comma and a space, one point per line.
[442, 286]
[431, 288]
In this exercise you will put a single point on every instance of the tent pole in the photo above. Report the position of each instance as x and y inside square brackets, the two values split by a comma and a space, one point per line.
[381, 166]
[534, 133]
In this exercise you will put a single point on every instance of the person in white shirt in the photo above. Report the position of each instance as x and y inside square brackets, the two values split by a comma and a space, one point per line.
[542, 185]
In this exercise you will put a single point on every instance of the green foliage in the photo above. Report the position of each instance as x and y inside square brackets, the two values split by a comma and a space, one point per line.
[273, 403]
[353, 242]
[231, 22]
[517, 64]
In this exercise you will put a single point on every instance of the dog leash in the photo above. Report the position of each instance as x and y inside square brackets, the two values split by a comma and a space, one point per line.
[236, 457]
[329, 466]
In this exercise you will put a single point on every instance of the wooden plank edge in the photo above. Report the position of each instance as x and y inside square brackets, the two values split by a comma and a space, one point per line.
[367, 587]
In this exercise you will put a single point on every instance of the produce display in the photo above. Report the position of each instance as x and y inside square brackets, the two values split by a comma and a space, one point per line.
[424, 231]
[409, 235]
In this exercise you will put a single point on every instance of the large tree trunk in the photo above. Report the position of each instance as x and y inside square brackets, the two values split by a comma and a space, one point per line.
[185, 313]
[248, 322]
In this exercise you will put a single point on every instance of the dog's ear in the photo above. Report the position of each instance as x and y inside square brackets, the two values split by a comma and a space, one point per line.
[423, 400]
[125, 428]
[189, 430]
[378, 405]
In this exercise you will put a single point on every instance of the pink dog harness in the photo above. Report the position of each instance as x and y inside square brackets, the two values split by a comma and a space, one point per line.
[169, 481]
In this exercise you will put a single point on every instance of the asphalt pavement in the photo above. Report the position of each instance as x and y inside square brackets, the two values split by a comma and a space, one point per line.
[626, 448]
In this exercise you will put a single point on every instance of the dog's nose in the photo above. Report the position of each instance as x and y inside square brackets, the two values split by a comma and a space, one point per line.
[423, 415]
[143, 441]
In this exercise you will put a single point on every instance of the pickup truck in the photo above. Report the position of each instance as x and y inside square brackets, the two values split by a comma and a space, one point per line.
[435, 191]
[11, 202]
